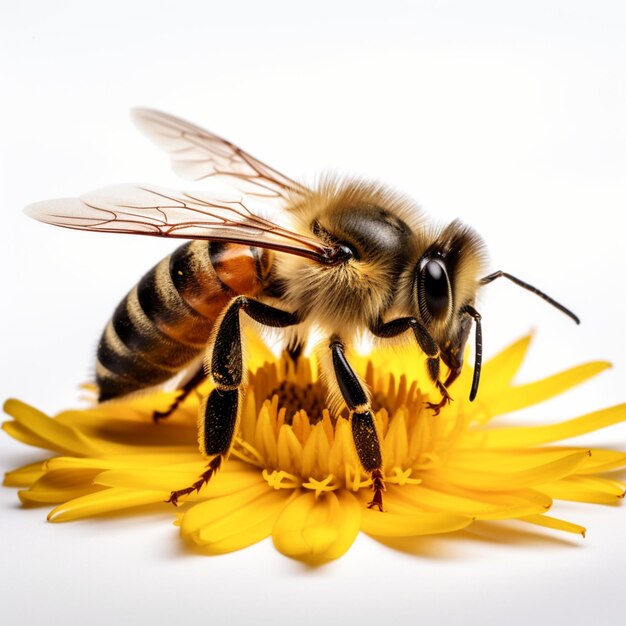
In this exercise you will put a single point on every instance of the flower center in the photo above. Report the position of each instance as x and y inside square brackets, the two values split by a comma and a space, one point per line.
[294, 397]
[311, 398]
[287, 431]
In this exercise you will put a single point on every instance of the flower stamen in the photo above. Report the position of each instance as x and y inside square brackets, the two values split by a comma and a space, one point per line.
[245, 452]
[402, 477]
[279, 479]
[322, 486]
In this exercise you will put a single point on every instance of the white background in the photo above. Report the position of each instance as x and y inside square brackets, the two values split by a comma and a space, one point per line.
[509, 115]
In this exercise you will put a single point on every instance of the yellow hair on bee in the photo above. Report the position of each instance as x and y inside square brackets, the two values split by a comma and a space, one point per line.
[334, 195]
[378, 225]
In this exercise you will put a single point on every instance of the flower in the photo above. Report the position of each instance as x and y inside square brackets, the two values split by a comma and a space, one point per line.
[293, 473]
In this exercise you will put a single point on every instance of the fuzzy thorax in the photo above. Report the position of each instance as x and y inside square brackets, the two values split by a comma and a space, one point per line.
[389, 238]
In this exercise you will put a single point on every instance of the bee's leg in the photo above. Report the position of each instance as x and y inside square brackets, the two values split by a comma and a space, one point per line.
[204, 478]
[198, 377]
[295, 351]
[426, 343]
[362, 420]
[221, 411]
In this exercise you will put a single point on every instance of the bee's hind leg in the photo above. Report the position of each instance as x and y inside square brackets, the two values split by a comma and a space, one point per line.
[204, 478]
[364, 432]
[198, 378]
[221, 410]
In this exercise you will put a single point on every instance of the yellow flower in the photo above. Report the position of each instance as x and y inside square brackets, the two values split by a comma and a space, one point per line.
[294, 475]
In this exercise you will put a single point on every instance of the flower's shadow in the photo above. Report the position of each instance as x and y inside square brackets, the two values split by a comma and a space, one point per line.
[462, 543]
[189, 549]
[459, 545]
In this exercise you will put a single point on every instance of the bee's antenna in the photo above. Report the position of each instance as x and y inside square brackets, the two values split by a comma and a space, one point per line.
[478, 359]
[487, 279]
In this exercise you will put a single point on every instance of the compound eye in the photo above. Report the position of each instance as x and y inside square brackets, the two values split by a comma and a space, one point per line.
[434, 289]
[348, 250]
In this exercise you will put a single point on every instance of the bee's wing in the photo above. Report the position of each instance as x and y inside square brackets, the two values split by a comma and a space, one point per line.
[144, 210]
[198, 154]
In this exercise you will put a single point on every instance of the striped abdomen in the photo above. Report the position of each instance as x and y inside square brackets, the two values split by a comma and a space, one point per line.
[165, 322]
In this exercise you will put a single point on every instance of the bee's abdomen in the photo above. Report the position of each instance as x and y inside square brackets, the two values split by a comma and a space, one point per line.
[165, 322]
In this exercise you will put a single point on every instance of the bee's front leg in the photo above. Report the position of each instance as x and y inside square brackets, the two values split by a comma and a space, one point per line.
[221, 411]
[364, 431]
[426, 343]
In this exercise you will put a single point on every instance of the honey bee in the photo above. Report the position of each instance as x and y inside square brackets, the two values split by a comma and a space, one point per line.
[345, 258]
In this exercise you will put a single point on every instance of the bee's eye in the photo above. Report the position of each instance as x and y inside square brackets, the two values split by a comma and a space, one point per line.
[349, 250]
[344, 250]
[434, 293]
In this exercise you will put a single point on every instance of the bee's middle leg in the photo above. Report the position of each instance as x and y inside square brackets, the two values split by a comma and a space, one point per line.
[221, 411]
[364, 431]
[199, 376]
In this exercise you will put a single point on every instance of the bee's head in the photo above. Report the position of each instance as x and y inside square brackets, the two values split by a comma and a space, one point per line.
[444, 283]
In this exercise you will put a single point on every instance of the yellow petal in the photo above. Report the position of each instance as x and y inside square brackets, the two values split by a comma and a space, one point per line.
[503, 400]
[174, 462]
[315, 452]
[196, 517]
[508, 481]
[110, 435]
[265, 438]
[289, 451]
[343, 451]
[603, 461]
[396, 444]
[23, 435]
[124, 461]
[166, 480]
[57, 436]
[104, 502]
[136, 408]
[516, 459]
[390, 524]
[233, 522]
[244, 527]
[479, 505]
[316, 529]
[24, 476]
[60, 486]
[557, 524]
[592, 489]
[249, 414]
[500, 370]
[521, 436]
[54, 496]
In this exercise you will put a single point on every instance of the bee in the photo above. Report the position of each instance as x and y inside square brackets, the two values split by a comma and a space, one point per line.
[345, 258]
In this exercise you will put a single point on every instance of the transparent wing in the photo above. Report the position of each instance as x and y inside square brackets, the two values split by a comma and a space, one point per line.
[198, 154]
[143, 210]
